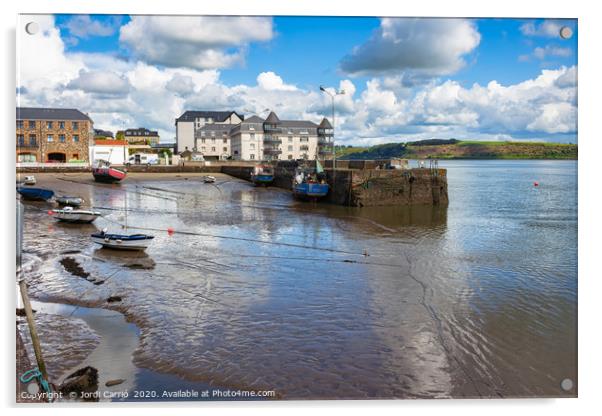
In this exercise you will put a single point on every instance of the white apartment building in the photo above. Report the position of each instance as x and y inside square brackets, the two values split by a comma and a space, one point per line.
[191, 121]
[261, 139]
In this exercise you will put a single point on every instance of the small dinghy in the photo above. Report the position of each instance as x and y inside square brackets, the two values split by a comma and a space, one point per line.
[29, 180]
[73, 201]
[104, 172]
[122, 241]
[35, 194]
[72, 215]
[209, 179]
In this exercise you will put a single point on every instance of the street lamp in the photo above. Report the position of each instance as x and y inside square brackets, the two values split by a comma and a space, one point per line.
[332, 96]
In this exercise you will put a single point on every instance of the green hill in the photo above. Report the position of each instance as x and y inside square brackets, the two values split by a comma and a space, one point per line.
[462, 149]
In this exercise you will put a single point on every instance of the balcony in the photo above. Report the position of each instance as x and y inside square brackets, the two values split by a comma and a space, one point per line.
[272, 151]
[271, 128]
[324, 140]
[272, 140]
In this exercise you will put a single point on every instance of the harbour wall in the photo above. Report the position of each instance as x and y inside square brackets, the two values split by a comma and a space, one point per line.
[352, 183]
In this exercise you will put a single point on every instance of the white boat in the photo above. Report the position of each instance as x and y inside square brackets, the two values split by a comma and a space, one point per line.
[122, 241]
[209, 179]
[71, 215]
[29, 180]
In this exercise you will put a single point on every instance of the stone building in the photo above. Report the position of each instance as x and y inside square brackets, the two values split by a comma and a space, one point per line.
[53, 135]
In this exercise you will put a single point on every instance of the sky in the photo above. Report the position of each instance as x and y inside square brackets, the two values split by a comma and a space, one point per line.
[403, 78]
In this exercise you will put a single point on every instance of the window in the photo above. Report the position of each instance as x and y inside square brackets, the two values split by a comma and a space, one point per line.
[290, 157]
[32, 125]
[26, 157]
[49, 124]
[62, 125]
[202, 140]
[62, 138]
[213, 149]
[19, 124]
[20, 140]
[32, 140]
[252, 145]
[74, 125]
[252, 156]
[290, 148]
[252, 135]
[50, 138]
[305, 148]
[75, 156]
[225, 140]
[304, 139]
[213, 140]
[290, 139]
[76, 138]
[203, 148]
[225, 149]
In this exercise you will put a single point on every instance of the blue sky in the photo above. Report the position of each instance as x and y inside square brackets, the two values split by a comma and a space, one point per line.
[406, 75]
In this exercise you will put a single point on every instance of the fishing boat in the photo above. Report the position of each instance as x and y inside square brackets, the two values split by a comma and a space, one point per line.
[122, 241]
[103, 172]
[73, 201]
[310, 183]
[262, 175]
[35, 194]
[68, 214]
[209, 179]
[29, 180]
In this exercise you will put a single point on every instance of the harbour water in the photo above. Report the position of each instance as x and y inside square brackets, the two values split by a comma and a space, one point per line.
[254, 290]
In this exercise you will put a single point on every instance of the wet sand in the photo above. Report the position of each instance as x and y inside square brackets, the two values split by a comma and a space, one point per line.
[254, 290]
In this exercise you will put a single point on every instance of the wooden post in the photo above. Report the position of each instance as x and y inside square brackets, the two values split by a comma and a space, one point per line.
[32, 329]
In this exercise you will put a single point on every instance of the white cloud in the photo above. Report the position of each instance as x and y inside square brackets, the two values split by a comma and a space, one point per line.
[83, 26]
[555, 118]
[547, 28]
[271, 81]
[200, 42]
[429, 47]
[551, 50]
[100, 82]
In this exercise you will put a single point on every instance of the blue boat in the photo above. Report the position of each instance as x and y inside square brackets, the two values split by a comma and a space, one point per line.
[310, 183]
[36, 194]
[262, 175]
[310, 190]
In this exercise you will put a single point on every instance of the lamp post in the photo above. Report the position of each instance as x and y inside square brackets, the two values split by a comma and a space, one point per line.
[332, 96]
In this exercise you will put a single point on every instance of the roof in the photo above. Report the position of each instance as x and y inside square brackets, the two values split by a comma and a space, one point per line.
[272, 118]
[103, 133]
[109, 142]
[254, 119]
[218, 116]
[325, 124]
[140, 131]
[216, 127]
[40, 113]
[297, 123]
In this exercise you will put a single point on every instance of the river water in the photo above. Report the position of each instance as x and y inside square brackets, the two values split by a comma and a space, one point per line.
[254, 290]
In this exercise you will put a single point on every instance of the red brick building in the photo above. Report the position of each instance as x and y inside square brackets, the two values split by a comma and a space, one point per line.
[53, 135]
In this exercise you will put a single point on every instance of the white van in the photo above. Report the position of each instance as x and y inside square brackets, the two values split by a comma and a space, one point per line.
[143, 159]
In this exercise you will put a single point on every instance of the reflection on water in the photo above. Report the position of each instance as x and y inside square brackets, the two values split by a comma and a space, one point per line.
[256, 290]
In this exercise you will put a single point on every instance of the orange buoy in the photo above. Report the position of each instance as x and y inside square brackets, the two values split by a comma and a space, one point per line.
[535, 183]
[50, 212]
[170, 231]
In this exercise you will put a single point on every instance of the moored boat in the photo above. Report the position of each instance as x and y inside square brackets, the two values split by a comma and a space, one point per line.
[122, 241]
[36, 194]
[71, 215]
[310, 183]
[262, 175]
[29, 180]
[73, 201]
[209, 179]
[103, 172]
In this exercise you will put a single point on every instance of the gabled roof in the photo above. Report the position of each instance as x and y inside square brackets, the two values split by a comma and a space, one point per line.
[218, 116]
[40, 113]
[254, 119]
[325, 124]
[297, 123]
[272, 118]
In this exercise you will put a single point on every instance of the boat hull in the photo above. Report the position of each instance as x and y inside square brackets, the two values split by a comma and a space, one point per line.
[262, 179]
[69, 200]
[123, 242]
[36, 194]
[108, 175]
[83, 217]
[310, 190]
